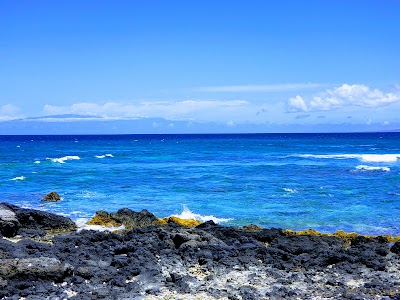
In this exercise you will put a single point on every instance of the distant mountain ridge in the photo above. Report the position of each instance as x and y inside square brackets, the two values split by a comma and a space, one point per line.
[90, 124]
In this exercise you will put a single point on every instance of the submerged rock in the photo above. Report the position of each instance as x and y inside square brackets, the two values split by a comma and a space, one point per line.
[52, 197]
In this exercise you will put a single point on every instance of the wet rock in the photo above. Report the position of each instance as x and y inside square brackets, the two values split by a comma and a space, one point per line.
[125, 216]
[52, 197]
[9, 223]
[182, 222]
[38, 223]
[103, 218]
[132, 219]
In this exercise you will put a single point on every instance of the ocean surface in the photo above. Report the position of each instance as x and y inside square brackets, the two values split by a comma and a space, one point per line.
[327, 182]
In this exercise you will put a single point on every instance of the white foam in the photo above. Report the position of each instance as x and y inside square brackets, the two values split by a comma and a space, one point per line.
[372, 168]
[37, 161]
[103, 156]
[363, 157]
[290, 190]
[328, 156]
[18, 178]
[62, 160]
[380, 157]
[187, 214]
[81, 223]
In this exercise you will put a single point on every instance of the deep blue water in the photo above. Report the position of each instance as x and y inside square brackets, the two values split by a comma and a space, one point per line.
[322, 181]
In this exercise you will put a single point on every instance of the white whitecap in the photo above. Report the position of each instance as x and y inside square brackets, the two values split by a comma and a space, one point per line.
[363, 157]
[289, 190]
[187, 214]
[372, 168]
[81, 223]
[328, 156]
[380, 157]
[62, 160]
[18, 178]
[37, 161]
[103, 156]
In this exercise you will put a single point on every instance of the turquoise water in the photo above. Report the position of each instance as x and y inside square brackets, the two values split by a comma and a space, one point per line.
[322, 181]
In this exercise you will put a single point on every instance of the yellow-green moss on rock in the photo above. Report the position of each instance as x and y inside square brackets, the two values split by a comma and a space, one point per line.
[251, 228]
[132, 219]
[182, 222]
[348, 236]
[103, 218]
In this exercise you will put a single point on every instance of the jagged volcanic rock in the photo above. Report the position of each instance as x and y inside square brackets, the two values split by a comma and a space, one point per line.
[208, 262]
[29, 222]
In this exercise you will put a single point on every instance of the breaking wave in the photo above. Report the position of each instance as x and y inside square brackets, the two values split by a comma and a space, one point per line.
[187, 214]
[372, 168]
[62, 160]
[81, 223]
[18, 178]
[377, 158]
[104, 156]
[290, 190]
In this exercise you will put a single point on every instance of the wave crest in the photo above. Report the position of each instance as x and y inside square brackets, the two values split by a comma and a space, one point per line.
[377, 158]
[289, 190]
[104, 156]
[62, 160]
[372, 168]
[380, 157]
[187, 214]
[81, 223]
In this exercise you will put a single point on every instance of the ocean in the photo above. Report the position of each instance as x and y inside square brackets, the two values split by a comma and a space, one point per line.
[326, 182]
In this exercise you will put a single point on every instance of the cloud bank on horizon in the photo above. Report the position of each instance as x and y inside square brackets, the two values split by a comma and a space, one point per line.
[348, 98]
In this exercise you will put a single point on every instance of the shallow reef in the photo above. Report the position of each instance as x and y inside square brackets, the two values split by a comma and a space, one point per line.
[42, 256]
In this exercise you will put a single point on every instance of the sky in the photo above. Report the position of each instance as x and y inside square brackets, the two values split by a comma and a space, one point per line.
[199, 66]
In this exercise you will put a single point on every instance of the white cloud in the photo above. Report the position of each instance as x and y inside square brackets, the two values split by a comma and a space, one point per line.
[261, 88]
[9, 112]
[9, 109]
[345, 95]
[297, 104]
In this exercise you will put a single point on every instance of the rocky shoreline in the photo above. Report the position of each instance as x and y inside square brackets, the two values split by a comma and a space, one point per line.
[42, 256]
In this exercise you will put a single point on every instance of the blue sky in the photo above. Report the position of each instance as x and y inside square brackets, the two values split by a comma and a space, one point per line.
[226, 65]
